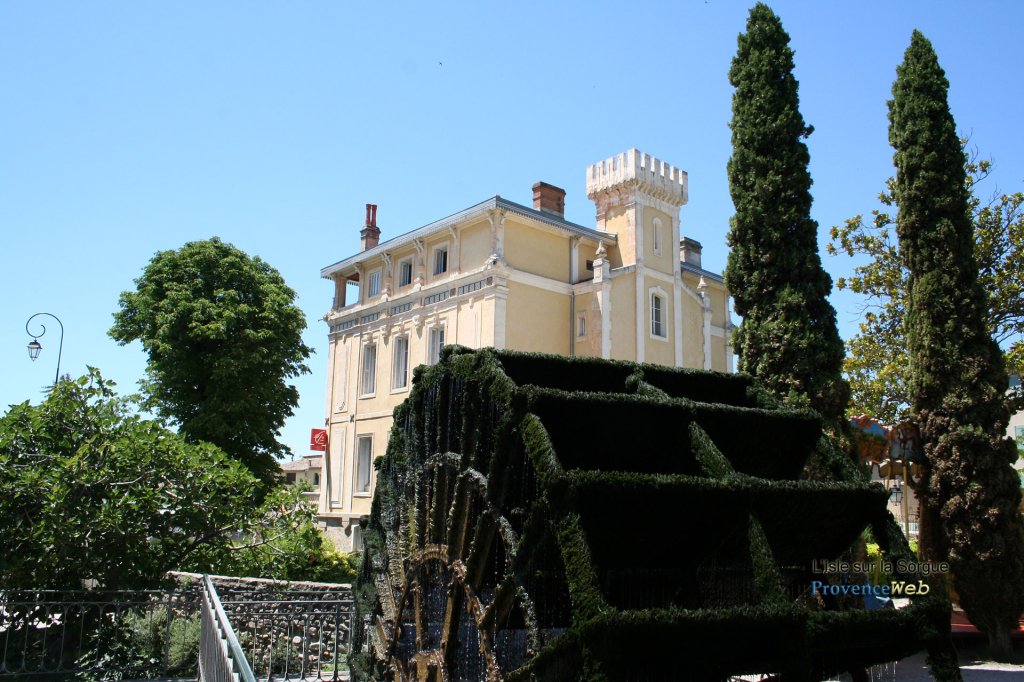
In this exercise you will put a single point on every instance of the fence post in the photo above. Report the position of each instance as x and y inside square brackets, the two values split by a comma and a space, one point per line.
[337, 627]
[167, 634]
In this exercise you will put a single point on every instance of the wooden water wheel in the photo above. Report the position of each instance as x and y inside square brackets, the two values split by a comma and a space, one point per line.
[545, 518]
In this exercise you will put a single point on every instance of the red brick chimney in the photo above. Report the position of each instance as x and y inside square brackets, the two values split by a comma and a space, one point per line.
[370, 234]
[549, 199]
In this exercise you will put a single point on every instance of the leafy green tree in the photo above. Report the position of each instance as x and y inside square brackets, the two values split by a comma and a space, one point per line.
[90, 491]
[788, 337]
[223, 335]
[876, 364]
[970, 495]
[286, 544]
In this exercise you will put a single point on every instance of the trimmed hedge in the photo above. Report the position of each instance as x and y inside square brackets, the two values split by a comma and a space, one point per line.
[619, 520]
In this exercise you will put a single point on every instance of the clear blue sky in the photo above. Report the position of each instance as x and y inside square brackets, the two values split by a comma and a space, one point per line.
[128, 128]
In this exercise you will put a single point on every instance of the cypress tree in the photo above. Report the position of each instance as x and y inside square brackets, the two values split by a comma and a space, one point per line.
[788, 337]
[969, 493]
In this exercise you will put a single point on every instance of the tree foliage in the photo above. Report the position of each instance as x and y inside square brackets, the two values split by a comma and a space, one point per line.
[90, 491]
[970, 495]
[223, 335]
[285, 544]
[788, 337]
[876, 365]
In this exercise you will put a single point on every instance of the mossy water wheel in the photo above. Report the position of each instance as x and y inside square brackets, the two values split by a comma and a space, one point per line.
[547, 518]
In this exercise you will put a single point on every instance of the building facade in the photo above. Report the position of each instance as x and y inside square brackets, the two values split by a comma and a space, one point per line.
[506, 275]
[305, 471]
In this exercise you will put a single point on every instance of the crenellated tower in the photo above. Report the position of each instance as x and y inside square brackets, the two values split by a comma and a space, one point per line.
[638, 197]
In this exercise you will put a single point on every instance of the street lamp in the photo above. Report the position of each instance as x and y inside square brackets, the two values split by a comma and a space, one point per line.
[34, 347]
[896, 491]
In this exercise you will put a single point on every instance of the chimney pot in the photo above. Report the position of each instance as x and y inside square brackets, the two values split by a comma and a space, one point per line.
[370, 234]
[549, 199]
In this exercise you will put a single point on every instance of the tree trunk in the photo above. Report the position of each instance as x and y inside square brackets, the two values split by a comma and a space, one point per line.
[1000, 645]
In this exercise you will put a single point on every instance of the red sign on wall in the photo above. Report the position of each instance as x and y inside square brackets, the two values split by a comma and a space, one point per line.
[318, 439]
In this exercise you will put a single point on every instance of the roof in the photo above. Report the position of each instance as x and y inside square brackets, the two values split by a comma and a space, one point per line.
[304, 464]
[495, 202]
[689, 267]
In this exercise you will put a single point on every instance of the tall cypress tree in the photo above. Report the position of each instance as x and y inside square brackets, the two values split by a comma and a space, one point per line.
[969, 493]
[788, 337]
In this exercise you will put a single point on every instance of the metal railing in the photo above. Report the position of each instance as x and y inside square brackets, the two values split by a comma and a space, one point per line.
[220, 655]
[140, 634]
[281, 634]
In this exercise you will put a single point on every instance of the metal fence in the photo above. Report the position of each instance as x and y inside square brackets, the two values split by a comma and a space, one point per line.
[292, 635]
[63, 635]
[220, 634]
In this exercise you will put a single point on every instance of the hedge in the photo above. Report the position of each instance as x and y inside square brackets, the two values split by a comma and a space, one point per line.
[614, 517]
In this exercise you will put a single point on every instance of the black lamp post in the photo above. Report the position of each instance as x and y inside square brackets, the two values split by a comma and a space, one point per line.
[34, 347]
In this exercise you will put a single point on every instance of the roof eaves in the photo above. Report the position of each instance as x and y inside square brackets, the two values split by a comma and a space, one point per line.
[466, 214]
[554, 220]
[407, 237]
[701, 271]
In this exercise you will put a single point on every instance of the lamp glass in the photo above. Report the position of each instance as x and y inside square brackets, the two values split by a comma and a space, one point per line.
[34, 348]
[896, 492]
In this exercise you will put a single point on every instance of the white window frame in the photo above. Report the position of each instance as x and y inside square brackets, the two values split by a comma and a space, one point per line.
[581, 325]
[368, 373]
[658, 236]
[434, 252]
[402, 264]
[400, 363]
[433, 347]
[659, 325]
[373, 283]
[360, 467]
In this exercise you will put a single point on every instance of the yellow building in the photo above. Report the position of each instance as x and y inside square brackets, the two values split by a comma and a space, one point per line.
[505, 275]
[305, 471]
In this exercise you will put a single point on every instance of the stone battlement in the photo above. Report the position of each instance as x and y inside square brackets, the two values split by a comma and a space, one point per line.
[650, 174]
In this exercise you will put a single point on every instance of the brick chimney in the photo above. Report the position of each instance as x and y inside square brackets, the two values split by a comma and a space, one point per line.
[689, 251]
[370, 234]
[549, 199]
